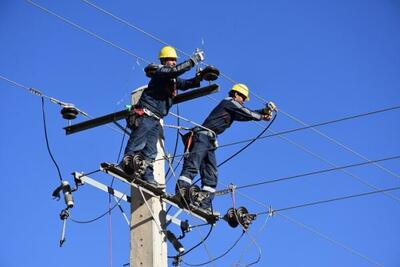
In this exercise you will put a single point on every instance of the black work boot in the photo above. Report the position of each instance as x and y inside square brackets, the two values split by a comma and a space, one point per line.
[182, 195]
[139, 166]
[127, 164]
[203, 199]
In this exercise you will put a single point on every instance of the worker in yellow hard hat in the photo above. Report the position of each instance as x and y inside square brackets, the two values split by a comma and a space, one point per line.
[201, 153]
[154, 104]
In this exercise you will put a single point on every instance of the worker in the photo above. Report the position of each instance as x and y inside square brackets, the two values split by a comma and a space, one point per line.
[201, 156]
[154, 104]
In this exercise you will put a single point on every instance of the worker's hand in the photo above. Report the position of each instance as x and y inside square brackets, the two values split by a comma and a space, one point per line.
[267, 117]
[197, 57]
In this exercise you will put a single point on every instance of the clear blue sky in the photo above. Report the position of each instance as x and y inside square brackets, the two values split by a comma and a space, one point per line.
[317, 60]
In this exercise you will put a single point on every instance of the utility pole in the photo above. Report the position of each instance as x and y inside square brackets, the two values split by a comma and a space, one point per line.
[148, 247]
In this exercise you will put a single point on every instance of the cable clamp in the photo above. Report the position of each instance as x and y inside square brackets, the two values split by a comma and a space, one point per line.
[271, 211]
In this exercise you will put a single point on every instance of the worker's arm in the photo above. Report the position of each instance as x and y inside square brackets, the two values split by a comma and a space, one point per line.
[241, 113]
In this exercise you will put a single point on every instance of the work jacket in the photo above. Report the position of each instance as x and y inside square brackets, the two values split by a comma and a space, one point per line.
[227, 111]
[157, 97]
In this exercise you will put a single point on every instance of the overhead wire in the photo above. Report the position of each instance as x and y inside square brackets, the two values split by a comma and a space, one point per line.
[86, 31]
[340, 144]
[233, 81]
[218, 257]
[280, 133]
[111, 42]
[317, 172]
[311, 229]
[333, 199]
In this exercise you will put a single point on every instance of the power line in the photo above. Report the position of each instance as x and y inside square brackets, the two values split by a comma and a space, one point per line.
[313, 230]
[87, 31]
[334, 199]
[95, 35]
[351, 117]
[341, 145]
[225, 76]
[38, 93]
[317, 172]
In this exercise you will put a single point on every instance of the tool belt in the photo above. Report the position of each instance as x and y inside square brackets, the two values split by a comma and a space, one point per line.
[136, 112]
[189, 138]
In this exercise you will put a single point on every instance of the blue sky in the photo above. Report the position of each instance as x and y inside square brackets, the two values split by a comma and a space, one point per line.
[317, 60]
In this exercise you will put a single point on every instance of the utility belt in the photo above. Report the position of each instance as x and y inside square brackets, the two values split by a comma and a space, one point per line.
[190, 137]
[139, 111]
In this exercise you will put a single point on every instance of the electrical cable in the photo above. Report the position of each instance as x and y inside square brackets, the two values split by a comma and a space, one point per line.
[317, 172]
[87, 31]
[341, 145]
[251, 142]
[233, 81]
[260, 98]
[312, 230]
[333, 199]
[100, 216]
[137, 28]
[195, 246]
[218, 257]
[258, 234]
[304, 128]
[47, 142]
[244, 228]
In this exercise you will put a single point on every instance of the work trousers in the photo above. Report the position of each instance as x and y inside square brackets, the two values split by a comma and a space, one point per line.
[201, 158]
[143, 140]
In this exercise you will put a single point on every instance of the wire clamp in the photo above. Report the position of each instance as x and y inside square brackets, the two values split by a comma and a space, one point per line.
[271, 211]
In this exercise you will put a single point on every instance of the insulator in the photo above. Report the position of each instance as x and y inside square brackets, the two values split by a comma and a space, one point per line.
[151, 69]
[69, 201]
[69, 112]
[245, 219]
[230, 217]
[210, 73]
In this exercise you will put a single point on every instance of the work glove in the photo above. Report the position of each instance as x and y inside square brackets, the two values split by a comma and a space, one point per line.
[197, 57]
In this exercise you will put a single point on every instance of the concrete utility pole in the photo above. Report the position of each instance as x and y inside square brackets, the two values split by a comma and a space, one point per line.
[148, 246]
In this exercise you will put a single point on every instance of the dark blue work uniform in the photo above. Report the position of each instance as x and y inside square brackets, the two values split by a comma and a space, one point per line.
[202, 153]
[157, 99]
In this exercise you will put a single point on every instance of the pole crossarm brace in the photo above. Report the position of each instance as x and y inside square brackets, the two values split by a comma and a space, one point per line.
[119, 115]
[81, 179]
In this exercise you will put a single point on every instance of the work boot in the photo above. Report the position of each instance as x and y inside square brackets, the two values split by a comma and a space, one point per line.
[138, 165]
[202, 199]
[127, 164]
[181, 195]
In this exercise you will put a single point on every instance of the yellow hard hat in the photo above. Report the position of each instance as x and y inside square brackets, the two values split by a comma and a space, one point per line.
[167, 52]
[241, 88]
